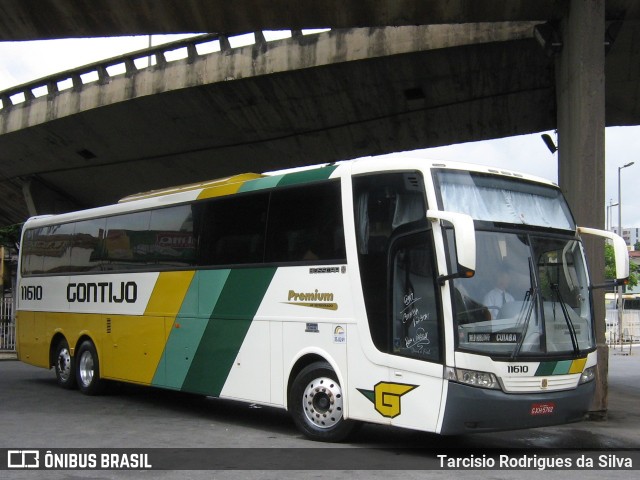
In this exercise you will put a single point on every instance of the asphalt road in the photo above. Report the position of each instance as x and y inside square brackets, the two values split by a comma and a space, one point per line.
[36, 414]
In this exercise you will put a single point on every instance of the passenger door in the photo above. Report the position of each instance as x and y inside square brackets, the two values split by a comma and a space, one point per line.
[417, 340]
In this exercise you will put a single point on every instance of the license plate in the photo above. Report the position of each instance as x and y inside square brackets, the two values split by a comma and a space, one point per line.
[542, 408]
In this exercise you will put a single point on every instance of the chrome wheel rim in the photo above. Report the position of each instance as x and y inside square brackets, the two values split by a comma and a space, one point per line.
[322, 402]
[86, 368]
[64, 364]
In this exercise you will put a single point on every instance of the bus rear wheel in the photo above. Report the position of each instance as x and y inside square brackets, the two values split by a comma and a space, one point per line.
[64, 365]
[88, 369]
[316, 404]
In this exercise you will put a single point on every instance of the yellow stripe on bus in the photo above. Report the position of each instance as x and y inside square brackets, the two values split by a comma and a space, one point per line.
[135, 345]
[577, 366]
[168, 293]
[228, 186]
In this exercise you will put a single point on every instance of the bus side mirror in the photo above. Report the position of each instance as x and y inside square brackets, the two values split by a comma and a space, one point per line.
[620, 251]
[465, 240]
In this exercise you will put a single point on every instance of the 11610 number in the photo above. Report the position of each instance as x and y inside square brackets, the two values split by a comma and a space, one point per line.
[31, 292]
[517, 369]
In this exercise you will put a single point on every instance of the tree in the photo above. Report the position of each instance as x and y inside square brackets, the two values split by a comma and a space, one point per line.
[610, 267]
[10, 235]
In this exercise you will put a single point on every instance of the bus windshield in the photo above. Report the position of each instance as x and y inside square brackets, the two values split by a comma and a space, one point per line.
[529, 297]
[504, 200]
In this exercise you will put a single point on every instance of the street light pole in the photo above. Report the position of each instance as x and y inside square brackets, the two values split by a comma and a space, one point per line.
[620, 232]
[609, 224]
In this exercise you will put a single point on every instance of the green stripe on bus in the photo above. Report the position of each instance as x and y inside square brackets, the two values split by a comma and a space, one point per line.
[260, 184]
[189, 326]
[562, 368]
[295, 178]
[307, 176]
[554, 368]
[223, 336]
[545, 368]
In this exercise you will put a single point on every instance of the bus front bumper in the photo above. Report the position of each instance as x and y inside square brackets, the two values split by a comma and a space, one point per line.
[473, 410]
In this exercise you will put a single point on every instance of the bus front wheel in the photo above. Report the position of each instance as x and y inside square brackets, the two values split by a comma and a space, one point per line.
[64, 365]
[88, 369]
[316, 404]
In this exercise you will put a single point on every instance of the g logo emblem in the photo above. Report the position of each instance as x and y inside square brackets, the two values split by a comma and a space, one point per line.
[386, 397]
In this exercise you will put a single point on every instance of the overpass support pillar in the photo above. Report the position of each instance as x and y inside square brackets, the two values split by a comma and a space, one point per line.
[581, 137]
[42, 199]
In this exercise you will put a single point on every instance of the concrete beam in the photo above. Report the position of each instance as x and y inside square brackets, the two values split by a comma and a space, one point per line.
[21, 20]
[580, 74]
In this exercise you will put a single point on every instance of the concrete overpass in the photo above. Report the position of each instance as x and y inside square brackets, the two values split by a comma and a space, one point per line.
[337, 95]
[306, 99]
[412, 97]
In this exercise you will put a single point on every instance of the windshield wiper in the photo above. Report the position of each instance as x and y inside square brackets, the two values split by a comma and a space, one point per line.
[567, 318]
[531, 296]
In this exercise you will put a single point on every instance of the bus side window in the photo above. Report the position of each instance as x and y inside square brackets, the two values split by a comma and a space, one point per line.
[126, 243]
[87, 251]
[58, 248]
[305, 224]
[171, 237]
[232, 230]
[32, 256]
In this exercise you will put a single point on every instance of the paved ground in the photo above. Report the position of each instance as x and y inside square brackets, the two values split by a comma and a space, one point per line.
[35, 413]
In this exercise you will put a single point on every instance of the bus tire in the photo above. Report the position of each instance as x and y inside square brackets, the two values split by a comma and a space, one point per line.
[88, 369]
[64, 365]
[315, 403]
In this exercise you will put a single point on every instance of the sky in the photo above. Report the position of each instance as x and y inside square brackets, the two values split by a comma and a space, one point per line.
[22, 62]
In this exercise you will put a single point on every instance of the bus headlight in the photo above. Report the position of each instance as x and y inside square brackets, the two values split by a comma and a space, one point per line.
[473, 378]
[588, 375]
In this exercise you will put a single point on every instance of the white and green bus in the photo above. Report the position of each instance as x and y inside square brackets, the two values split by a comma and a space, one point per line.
[442, 297]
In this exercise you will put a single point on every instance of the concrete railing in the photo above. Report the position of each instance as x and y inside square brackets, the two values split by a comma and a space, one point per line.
[129, 64]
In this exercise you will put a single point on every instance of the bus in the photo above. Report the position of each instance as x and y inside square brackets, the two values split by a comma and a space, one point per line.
[442, 297]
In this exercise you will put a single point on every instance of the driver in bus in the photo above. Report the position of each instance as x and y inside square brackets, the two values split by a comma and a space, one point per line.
[496, 298]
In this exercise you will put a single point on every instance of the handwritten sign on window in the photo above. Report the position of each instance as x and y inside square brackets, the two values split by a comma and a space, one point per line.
[417, 340]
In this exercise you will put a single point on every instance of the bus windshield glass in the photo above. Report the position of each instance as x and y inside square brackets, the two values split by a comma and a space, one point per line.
[503, 199]
[529, 297]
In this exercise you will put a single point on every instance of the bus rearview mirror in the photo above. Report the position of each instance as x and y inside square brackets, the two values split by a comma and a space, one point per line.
[465, 242]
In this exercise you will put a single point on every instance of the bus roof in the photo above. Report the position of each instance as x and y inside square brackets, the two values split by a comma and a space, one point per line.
[217, 183]
[249, 181]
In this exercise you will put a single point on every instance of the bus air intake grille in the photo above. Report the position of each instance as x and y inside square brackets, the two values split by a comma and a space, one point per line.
[540, 384]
